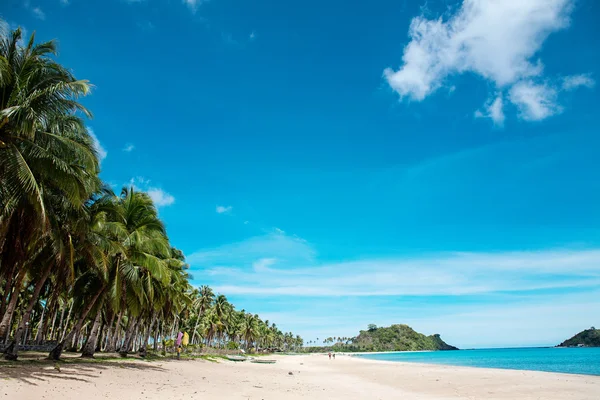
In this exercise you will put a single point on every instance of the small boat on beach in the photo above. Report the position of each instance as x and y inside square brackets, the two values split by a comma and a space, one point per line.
[236, 358]
[259, 361]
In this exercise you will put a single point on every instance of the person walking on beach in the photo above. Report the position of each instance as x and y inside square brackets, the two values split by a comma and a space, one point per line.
[330, 355]
[334, 356]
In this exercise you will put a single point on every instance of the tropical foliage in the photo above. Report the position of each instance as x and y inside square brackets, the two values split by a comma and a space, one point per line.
[80, 266]
[586, 338]
[393, 338]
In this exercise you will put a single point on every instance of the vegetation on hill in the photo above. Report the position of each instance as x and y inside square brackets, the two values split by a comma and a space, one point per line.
[588, 338]
[80, 265]
[393, 338]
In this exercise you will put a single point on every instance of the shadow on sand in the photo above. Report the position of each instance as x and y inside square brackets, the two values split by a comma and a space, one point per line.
[33, 373]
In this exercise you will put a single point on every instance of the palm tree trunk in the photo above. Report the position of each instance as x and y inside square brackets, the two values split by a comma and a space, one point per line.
[12, 304]
[40, 329]
[128, 336]
[7, 287]
[162, 334]
[53, 324]
[90, 347]
[144, 344]
[11, 352]
[56, 352]
[103, 330]
[64, 331]
[111, 347]
[156, 331]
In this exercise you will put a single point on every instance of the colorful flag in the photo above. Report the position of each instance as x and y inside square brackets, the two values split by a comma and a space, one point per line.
[179, 337]
[186, 339]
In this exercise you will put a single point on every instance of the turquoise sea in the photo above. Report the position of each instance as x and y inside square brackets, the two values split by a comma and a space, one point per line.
[567, 360]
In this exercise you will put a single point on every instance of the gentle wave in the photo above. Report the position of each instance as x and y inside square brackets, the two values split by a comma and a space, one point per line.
[584, 361]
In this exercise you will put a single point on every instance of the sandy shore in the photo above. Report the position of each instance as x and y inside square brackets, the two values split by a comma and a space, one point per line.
[313, 377]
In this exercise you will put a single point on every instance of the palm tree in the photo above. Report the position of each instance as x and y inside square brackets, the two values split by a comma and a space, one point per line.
[44, 149]
[203, 301]
[72, 253]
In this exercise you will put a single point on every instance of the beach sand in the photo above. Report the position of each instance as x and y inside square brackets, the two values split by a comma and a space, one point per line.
[313, 377]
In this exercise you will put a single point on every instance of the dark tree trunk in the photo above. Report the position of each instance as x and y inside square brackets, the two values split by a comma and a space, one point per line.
[12, 352]
[90, 346]
[101, 335]
[112, 346]
[9, 278]
[156, 330]
[66, 325]
[51, 334]
[56, 352]
[12, 304]
[128, 338]
[144, 344]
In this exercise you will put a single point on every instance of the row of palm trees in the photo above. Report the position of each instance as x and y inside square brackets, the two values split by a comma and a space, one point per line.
[80, 265]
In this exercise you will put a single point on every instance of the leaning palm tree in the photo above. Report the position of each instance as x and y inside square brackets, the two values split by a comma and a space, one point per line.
[44, 147]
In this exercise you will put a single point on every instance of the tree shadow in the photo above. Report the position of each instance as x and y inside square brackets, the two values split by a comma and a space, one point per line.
[33, 373]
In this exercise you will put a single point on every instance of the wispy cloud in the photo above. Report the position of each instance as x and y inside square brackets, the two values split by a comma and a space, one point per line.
[497, 40]
[193, 4]
[294, 271]
[252, 36]
[38, 13]
[160, 197]
[534, 101]
[102, 153]
[65, 2]
[509, 294]
[129, 147]
[576, 81]
[273, 246]
[224, 209]
[493, 110]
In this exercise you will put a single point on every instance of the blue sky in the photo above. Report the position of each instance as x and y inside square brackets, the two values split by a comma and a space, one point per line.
[331, 164]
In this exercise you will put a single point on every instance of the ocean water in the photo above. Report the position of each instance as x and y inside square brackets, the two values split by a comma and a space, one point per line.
[567, 360]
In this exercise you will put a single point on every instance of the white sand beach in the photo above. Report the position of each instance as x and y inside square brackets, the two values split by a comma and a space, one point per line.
[312, 377]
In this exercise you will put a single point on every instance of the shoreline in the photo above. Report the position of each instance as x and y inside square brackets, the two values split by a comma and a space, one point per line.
[311, 376]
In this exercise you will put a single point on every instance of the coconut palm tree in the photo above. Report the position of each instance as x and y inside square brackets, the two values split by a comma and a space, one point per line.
[72, 253]
[45, 153]
[204, 299]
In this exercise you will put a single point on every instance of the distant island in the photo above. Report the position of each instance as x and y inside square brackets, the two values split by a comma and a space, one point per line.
[398, 337]
[587, 338]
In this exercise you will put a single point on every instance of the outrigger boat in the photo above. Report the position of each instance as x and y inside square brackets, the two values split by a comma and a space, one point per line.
[236, 358]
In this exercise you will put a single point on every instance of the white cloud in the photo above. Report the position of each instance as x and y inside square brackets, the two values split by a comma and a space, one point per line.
[128, 148]
[535, 102]
[244, 269]
[102, 153]
[263, 264]
[508, 294]
[495, 39]
[193, 4]
[575, 81]
[160, 197]
[224, 209]
[252, 35]
[38, 13]
[285, 249]
[493, 110]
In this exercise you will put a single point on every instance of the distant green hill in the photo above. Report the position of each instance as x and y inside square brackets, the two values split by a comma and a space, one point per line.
[588, 338]
[397, 338]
